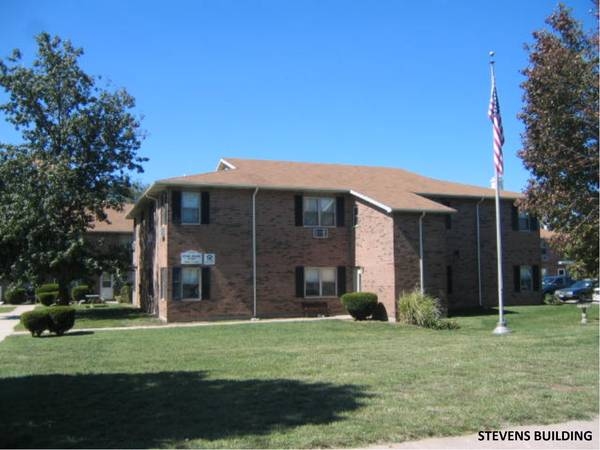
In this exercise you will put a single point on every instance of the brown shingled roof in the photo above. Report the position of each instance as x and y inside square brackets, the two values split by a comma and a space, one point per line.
[118, 221]
[390, 188]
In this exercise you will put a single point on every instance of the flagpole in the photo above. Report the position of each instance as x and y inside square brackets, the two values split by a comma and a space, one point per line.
[501, 327]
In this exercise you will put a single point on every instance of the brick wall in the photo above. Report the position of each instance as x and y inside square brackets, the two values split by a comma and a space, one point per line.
[374, 236]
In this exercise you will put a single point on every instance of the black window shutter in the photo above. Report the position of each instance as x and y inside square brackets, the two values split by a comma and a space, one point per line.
[533, 224]
[299, 281]
[176, 283]
[340, 211]
[536, 278]
[514, 215]
[449, 280]
[341, 281]
[176, 202]
[206, 283]
[205, 207]
[298, 210]
[517, 278]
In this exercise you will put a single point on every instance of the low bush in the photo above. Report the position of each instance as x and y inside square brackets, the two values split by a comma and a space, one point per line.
[550, 299]
[380, 313]
[47, 298]
[16, 296]
[424, 311]
[56, 319]
[125, 294]
[79, 292]
[62, 318]
[359, 305]
[36, 321]
[47, 294]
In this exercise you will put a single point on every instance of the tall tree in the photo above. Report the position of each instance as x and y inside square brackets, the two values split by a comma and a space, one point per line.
[79, 146]
[560, 141]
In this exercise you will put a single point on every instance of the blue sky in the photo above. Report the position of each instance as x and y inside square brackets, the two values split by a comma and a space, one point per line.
[392, 83]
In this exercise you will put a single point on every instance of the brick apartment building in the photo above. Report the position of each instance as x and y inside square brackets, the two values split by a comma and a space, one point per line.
[274, 239]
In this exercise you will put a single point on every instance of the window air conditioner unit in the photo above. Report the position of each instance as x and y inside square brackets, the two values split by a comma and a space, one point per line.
[320, 233]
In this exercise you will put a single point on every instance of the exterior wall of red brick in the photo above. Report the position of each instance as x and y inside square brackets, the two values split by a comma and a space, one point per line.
[374, 241]
[384, 246]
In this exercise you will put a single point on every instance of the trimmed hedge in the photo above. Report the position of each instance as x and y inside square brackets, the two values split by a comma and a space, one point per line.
[56, 319]
[36, 321]
[47, 298]
[62, 318]
[47, 294]
[16, 296]
[359, 305]
[79, 292]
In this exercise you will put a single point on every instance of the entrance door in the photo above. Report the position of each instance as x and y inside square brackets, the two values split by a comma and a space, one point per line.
[106, 286]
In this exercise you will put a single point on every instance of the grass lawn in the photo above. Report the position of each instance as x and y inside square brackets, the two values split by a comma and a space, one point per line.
[310, 384]
[6, 309]
[108, 315]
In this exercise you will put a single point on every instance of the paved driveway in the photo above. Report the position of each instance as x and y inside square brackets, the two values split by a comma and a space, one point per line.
[9, 320]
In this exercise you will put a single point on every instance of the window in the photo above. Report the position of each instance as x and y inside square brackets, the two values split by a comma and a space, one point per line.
[319, 211]
[524, 221]
[190, 283]
[190, 207]
[526, 278]
[320, 282]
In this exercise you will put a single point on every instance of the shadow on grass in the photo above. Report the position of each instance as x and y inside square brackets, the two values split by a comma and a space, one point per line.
[160, 409]
[476, 311]
[67, 334]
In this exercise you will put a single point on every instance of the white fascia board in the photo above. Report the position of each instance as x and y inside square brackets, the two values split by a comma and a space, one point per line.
[223, 163]
[371, 201]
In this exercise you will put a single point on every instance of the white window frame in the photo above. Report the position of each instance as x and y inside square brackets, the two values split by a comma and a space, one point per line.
[195, 194]
[320, 271]
[199, 271]
[319, 211]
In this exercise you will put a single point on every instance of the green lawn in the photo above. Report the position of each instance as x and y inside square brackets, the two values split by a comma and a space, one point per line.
[310, 384]
[6, 309]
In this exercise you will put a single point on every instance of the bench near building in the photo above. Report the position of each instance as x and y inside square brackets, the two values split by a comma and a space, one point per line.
[276, 238]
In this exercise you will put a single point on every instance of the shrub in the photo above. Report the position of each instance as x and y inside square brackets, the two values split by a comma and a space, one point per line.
[47, 298]
[125, 294]
[79, 292]
[36, 321]
[47, 294]
[62, 318]
[16, 296]
[550, 299]
[49, 287]
[380, 313]
[359, 305]
[424, 311]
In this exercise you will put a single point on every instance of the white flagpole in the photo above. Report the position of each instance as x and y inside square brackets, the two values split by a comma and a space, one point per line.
[501, 327]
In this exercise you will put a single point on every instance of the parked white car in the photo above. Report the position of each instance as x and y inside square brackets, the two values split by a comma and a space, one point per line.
[596, 295]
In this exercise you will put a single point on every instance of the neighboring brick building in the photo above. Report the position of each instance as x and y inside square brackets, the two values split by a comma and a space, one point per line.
[115, 234]
[274, 239]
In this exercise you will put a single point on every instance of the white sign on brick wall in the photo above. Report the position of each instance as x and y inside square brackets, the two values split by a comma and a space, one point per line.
[210, 259]
[191, 257]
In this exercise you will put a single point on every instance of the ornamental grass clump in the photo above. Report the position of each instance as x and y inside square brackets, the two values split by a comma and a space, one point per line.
[424, 311]
[359, 305]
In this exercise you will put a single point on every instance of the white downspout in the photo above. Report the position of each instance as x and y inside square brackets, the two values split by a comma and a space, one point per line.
[421, 270]
[254, 253]
[479, 253]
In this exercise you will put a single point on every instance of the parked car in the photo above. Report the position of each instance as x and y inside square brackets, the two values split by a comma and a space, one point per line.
[580, 290]
[596, 294]
[552, 283]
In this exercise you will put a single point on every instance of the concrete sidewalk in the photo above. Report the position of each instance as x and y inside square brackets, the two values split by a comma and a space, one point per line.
[9, 320]
[568, 435]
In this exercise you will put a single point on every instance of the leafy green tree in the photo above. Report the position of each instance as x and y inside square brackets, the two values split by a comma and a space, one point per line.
[560, 141]
[79, 145]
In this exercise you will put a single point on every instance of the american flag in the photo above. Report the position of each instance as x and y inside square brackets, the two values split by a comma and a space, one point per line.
[494, 115]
